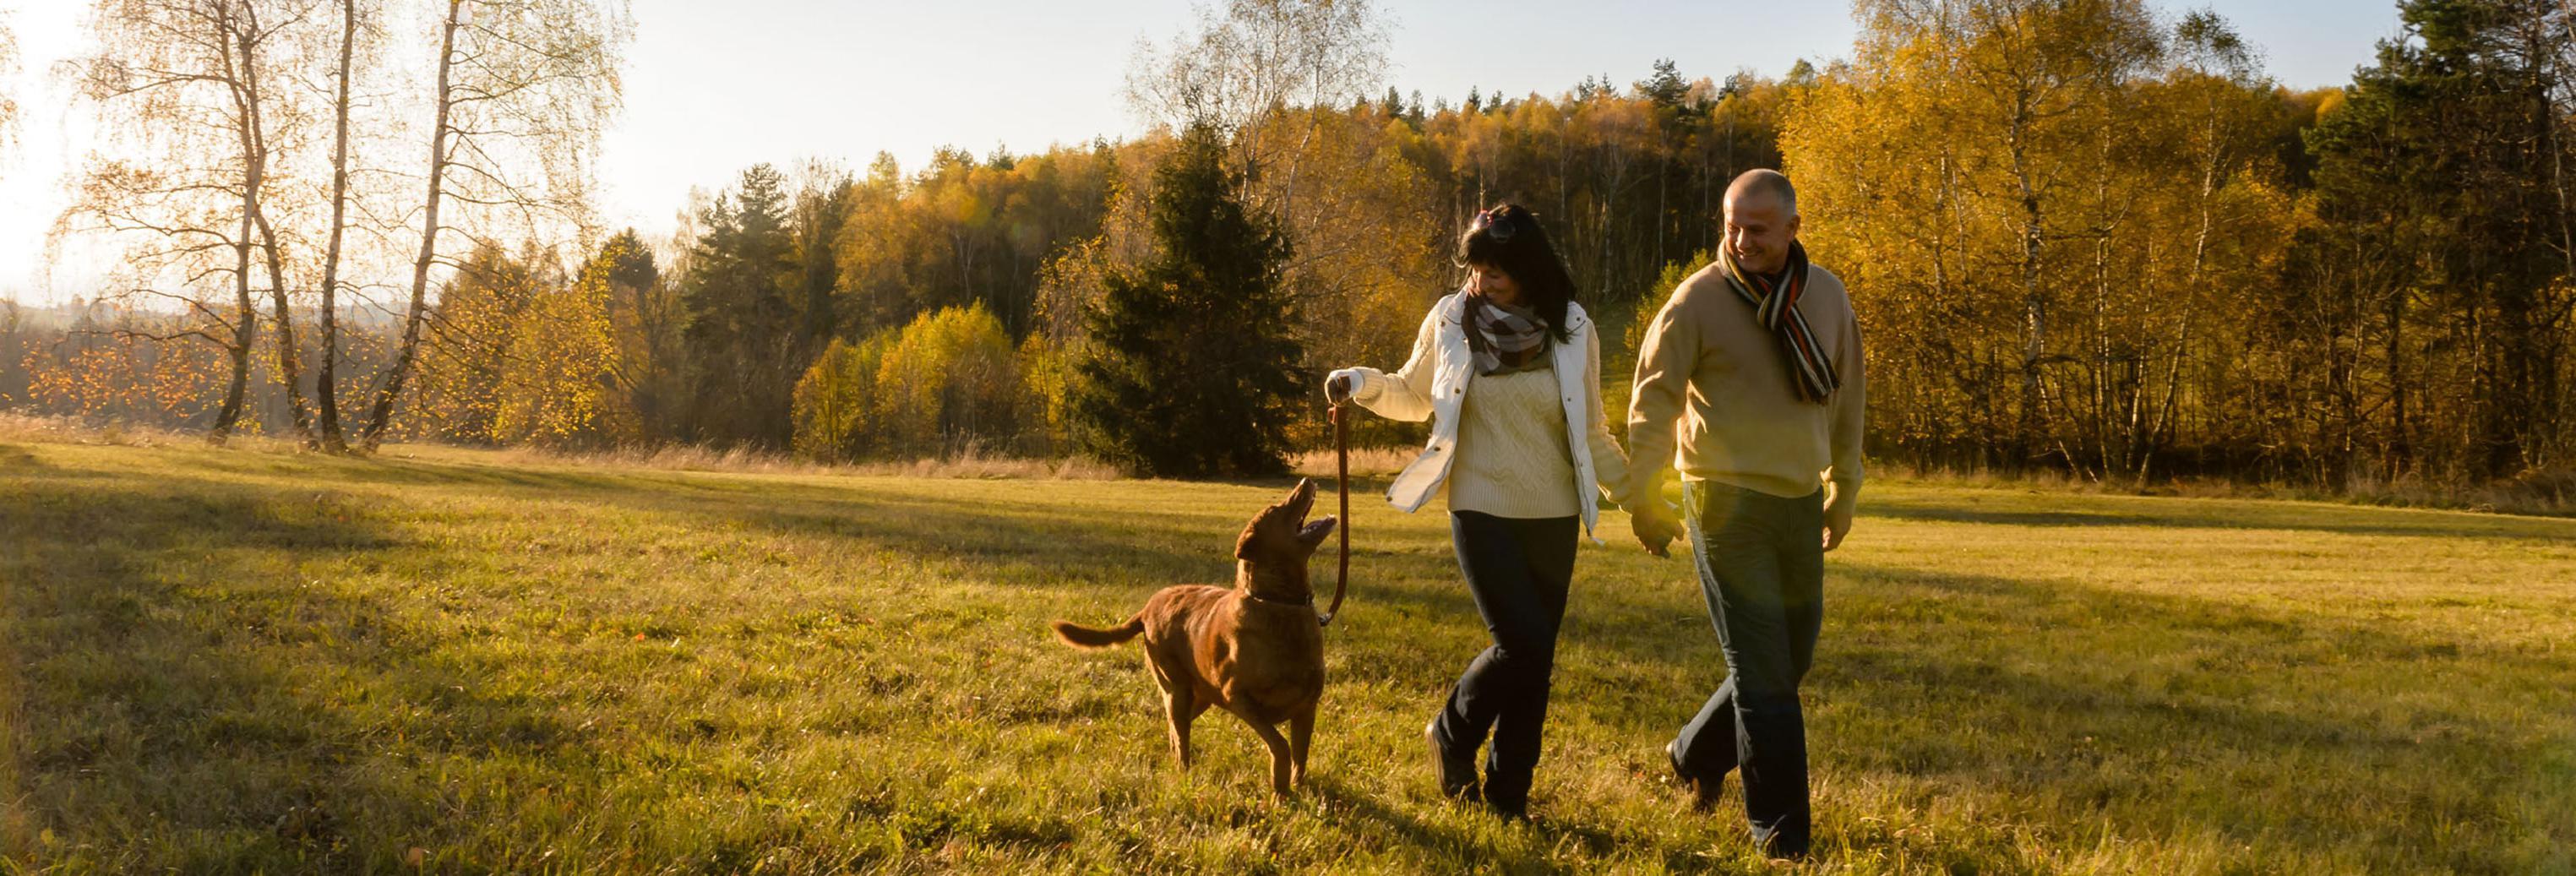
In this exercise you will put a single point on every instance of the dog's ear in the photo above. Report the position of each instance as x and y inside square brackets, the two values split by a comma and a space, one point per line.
[1243, 543]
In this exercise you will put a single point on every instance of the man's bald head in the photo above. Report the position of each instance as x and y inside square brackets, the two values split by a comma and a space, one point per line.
[1765, 182]
[1761, 220]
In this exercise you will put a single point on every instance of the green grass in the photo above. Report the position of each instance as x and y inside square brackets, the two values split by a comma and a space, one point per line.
[243, 661]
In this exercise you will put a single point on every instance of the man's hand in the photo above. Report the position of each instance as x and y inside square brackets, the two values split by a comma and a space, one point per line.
[1655, 529]
[1838, 522]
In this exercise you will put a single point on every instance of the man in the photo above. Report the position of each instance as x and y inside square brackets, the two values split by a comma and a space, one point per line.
[1758, 359]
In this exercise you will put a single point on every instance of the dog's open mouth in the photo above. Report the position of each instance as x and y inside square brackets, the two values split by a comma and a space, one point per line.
[1316, 529]
[1301, 501]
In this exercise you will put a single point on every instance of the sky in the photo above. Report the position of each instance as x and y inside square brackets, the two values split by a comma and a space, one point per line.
[713, 87]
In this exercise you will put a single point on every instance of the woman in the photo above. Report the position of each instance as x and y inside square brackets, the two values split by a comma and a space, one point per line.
[1508, 370]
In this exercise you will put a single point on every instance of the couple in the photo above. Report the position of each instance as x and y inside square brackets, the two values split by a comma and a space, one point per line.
[1757, 358]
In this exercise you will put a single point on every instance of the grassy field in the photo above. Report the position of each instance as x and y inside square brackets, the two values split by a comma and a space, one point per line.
[449, 661]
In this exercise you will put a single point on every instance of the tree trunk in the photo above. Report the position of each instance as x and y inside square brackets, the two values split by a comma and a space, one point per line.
[252, 129]
[390, 388]
[2400, 452]
[2191, 300]
[245, 334]
[2034, 308]
[246, 328]
[326, 385]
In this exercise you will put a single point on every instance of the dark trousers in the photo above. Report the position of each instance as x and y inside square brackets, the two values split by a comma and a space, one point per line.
[1519, 570]
[1762, 569]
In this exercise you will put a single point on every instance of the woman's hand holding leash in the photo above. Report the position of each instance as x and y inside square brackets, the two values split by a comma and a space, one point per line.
[1337, 390]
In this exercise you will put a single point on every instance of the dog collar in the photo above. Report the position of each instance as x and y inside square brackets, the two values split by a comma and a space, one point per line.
[1308, 602]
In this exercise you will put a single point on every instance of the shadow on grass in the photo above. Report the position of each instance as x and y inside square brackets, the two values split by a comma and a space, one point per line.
[1361, 814]
[1037, 542]
[184, 699]
[18, 460]
[2180, 514]
[2266, 727]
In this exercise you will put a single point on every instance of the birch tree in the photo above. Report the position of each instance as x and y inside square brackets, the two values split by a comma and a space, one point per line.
[521, 91]
[198, 140]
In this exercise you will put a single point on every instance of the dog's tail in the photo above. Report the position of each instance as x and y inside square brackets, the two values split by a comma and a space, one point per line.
[1085, 637]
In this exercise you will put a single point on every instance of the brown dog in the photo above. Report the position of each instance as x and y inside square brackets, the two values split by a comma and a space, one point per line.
[1254, 650]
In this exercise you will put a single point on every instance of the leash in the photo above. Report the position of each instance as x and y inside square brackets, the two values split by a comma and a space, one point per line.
[1341, 488]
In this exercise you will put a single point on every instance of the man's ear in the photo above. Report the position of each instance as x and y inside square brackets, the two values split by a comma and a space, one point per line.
[1794, 219]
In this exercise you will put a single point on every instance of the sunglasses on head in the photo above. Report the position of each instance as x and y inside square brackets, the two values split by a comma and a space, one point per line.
[1494, 225]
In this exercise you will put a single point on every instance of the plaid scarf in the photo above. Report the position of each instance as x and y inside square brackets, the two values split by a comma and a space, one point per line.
[1809, 370]
[1504, 338]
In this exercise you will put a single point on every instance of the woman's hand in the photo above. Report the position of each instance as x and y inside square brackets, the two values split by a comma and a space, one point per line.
[1338, 389]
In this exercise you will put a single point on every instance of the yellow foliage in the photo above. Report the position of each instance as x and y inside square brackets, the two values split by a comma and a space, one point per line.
[948, 381]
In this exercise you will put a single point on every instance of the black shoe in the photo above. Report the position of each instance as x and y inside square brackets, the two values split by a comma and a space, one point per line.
[1703, 793]
[1780, 850]
[1457, 774]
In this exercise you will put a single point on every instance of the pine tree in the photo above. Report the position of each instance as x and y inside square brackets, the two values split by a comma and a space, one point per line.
[1191, 365]
[2450, 147]
[742, 328]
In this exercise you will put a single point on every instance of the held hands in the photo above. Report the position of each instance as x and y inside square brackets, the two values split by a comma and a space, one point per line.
[1651, 518]
[1655, 528]
[1337, 390]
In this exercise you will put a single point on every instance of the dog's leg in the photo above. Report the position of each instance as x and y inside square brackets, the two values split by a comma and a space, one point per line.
[1180, 711]
[1301, 730]
[1279, 757]
[1181, 703]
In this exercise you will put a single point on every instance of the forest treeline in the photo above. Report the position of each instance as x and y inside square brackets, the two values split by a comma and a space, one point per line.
[2088, 236]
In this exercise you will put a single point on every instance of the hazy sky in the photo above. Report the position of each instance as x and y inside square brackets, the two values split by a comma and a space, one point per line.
[712, 87]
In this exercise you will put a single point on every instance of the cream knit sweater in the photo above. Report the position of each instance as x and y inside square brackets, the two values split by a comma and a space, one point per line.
[1512, 440]
[1511, 448]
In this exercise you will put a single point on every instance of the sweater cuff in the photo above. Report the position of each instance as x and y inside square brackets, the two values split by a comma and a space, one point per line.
[1844, 485]
[1366, 383]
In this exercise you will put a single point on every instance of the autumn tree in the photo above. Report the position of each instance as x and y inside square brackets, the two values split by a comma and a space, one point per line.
[945, 384]
[521, 89]
[1953, 173]
[1250, 60]
[644, 317]
[559, 384]
[113, 362]
[469, 358]
[2443, 175]
[196, 162]
[963, 230]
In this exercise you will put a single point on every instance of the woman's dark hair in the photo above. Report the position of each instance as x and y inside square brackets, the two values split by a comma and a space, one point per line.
[1507, 239]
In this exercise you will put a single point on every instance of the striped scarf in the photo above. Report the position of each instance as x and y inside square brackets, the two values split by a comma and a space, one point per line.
[1811, 372]
[1504, 338]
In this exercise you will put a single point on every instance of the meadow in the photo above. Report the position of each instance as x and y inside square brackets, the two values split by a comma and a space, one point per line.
[453, 661]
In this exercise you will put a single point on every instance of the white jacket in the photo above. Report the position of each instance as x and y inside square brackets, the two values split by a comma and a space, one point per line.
[1441, 345]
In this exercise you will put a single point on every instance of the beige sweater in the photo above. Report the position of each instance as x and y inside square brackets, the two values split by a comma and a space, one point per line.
[1713, 373]
[1512, 450]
